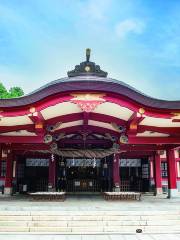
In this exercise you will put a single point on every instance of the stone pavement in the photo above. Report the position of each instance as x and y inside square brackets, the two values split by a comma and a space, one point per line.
[149, 204]
[92, 237]
[90, 202]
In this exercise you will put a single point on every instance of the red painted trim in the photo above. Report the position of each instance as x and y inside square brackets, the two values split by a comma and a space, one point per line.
[154, 140]
[91, 129]
[106, 118]
[92, 116]
[27, 139]
[167, 130]
[119, 99]
[30, 146]
[142, 147]
[136, 154]
[88, 141]
[28, 127]
[65, 118]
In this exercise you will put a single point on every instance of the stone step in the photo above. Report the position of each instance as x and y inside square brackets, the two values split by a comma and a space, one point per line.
[90, 223]
[15, 218]
[103, 213]
[80, 222]
[87, 218]
[92, 229]
[89, 213]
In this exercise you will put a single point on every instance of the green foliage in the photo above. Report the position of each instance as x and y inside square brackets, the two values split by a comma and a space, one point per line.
[3, 91]
[15, 92]
[12, 93]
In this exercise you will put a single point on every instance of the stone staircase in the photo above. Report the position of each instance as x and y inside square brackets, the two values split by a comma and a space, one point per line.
[89, 222]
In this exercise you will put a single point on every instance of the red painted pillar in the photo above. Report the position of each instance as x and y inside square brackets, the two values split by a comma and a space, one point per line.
[171, 166]
[116, 173]
[52, 173]
[157, 174]
[9, 173]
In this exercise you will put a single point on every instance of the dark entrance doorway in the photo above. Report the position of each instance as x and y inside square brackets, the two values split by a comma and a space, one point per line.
[36, 179]
[83, 179]
[134, 175]
[83, 175]
[36, 173]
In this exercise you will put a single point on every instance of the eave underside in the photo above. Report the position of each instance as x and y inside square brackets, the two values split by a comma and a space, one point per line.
[88, 120]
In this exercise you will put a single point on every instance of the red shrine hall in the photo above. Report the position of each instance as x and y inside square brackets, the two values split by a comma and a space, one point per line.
[89, 133]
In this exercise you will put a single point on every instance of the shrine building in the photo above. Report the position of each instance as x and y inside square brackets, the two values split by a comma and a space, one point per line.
[89, 133]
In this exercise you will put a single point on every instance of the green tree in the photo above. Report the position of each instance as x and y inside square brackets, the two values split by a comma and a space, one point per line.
[12, 93]
[16, 92]
[3, 91]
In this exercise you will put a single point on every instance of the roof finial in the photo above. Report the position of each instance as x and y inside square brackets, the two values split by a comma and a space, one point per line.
[87, 68]
[88, 52]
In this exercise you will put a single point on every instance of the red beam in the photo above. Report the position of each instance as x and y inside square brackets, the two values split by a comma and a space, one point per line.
[136, 154]
[30, 146]
[91, 129]
[106, 118]
[28, 127]
[65, 118]
[154, 140]
[166, 130]
[92, 116]
[88, 141]
[18, 139]
[59, 98]
[142, 147]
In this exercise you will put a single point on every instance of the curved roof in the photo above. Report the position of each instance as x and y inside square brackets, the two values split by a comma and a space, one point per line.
[88, 105]
[90, 83]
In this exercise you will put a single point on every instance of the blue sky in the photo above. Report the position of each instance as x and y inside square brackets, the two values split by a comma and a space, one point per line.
[136, 41]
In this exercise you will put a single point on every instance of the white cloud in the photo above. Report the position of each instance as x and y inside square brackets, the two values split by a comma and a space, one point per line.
[128, 26]
[95, 11]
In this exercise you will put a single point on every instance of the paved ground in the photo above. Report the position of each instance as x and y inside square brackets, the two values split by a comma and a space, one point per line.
[88, 203]
[92, 237]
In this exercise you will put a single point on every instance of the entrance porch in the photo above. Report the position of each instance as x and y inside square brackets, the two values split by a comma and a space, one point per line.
[34, 172]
